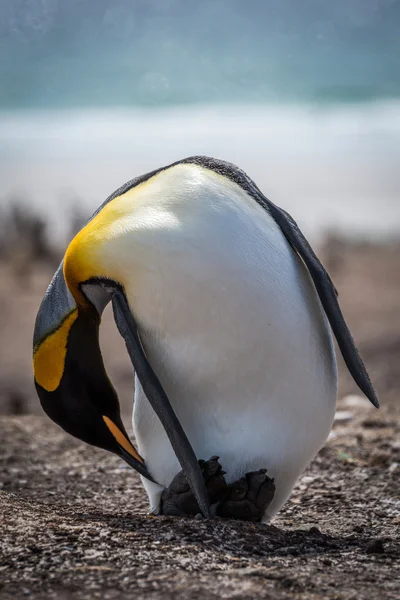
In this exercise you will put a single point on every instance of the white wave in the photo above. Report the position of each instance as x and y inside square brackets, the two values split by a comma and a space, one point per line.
[333, 167]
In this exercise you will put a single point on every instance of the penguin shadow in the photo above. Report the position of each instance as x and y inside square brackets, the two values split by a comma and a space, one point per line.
[238, 539]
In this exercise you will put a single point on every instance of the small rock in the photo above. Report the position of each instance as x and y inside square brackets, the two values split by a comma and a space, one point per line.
[343, 416]
[375, 547]
[374, 424]
[396, 521]
[198, 517]
[380, 459]
[354, 400]
[307, 479]
[315, 531]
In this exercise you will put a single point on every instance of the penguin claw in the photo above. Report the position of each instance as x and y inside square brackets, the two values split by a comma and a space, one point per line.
[249, 497]
[246, 499]
[178, 499]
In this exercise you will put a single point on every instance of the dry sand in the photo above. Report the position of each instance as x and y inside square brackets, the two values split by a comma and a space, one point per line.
[73, 518]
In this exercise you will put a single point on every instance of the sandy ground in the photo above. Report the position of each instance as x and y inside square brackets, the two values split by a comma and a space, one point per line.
[73, 518]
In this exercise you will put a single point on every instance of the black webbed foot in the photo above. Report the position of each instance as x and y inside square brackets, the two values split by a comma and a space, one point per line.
[178, 499]
[248, 498]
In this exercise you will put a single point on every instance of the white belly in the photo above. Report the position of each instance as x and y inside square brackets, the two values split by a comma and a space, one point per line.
[233, 327]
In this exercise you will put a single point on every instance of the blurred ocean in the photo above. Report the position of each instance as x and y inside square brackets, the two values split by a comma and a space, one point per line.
[331, 168]
[304, 96]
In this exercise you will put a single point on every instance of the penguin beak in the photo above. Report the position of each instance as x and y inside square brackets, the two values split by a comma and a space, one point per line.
[70, 377]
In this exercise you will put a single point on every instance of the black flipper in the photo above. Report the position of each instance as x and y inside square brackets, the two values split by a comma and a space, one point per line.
[160, 402]
[328, 296]
[326, 291]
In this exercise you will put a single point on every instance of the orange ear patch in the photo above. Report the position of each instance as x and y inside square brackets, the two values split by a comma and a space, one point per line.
[122, 439]
[49, 357]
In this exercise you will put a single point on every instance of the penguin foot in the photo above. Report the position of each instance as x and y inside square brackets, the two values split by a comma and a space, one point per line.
[248, 498]
[178, 500]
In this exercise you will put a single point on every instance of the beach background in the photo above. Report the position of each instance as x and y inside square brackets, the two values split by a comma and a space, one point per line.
[305, 97]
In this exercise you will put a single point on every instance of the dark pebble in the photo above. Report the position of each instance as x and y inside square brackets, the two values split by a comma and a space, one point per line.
[374, 424]
[375, 547]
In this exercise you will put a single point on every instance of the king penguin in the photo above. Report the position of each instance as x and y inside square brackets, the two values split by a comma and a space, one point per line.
[228, 317]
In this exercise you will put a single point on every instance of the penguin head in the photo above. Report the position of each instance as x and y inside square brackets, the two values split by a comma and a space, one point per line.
[70, 377]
